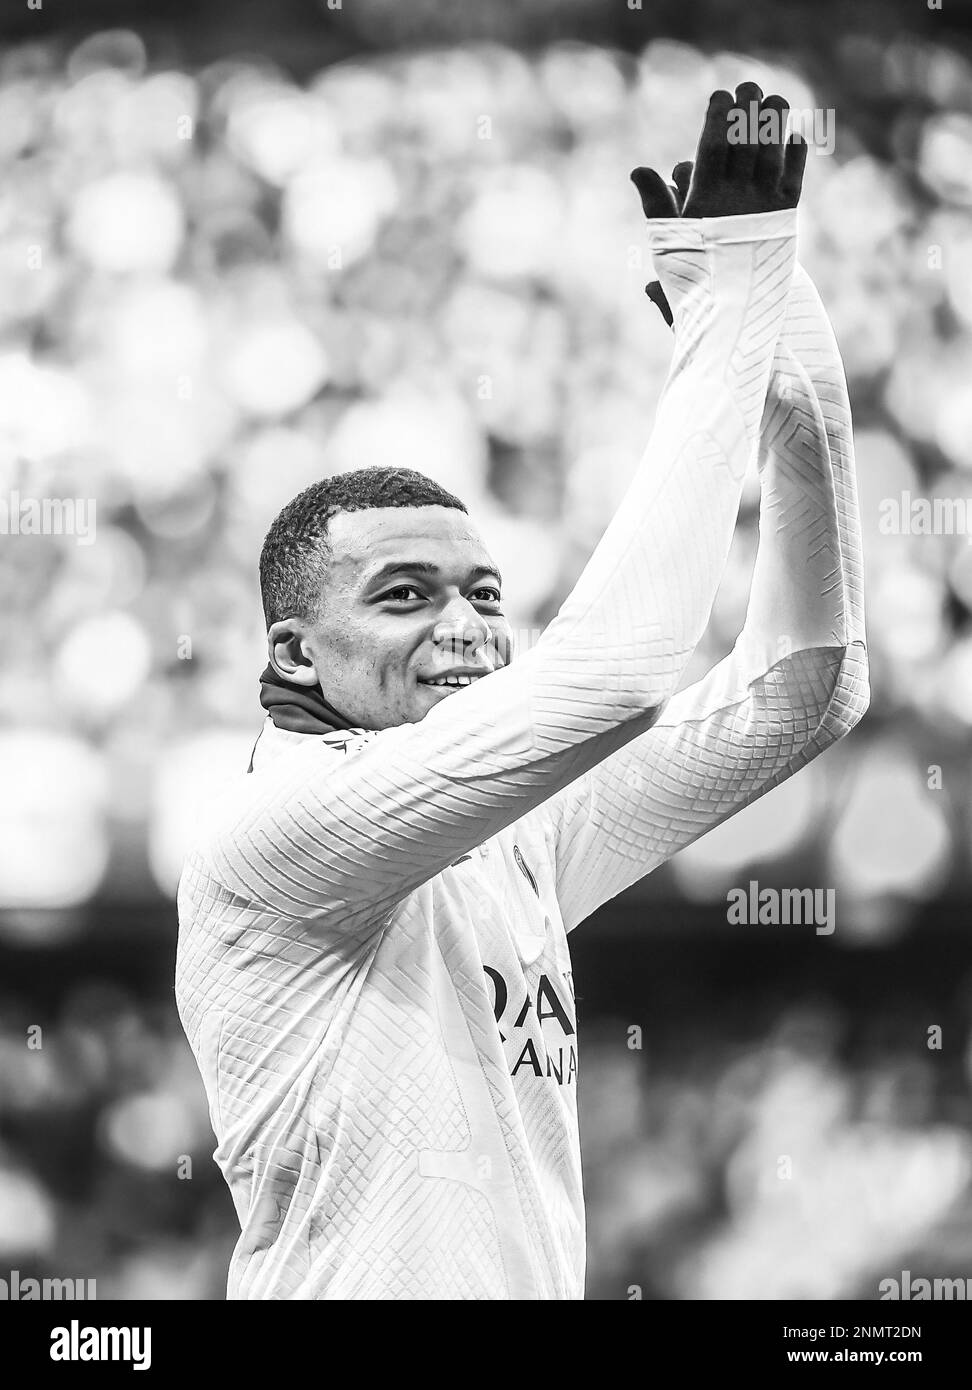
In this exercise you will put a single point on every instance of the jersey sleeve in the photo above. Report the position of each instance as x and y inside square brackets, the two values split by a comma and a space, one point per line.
[797, 678]
[318, 838]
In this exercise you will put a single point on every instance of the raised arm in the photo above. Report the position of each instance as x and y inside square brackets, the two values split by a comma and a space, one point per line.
[321, 838]
[797, 678]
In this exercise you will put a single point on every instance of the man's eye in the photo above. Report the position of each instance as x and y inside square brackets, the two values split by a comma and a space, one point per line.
[403, 589]
[492, 595]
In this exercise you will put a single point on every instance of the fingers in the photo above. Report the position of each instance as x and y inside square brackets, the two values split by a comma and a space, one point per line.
[657, 198]
[743, 153]
[794, 163]
[772, 146]
[748, 92]
[744, 162]
[713, 149]
[682, 177]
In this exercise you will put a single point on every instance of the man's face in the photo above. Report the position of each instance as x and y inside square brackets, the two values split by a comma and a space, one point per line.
[412, 595]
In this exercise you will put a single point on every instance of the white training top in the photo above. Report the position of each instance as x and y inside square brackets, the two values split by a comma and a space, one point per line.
[373, 968]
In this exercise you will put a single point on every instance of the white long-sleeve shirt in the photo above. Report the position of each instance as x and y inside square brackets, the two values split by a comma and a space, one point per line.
[373, 965]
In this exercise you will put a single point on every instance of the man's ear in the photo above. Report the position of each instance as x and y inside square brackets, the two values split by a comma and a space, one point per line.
[290, 654]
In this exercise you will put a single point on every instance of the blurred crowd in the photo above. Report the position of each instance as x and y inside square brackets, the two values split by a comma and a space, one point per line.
[218, 285]
[757, 1167]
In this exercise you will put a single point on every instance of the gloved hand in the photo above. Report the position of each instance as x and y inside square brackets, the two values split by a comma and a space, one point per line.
[730, 176]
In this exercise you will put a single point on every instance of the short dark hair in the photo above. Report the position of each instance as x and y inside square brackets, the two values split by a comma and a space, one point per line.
[293, 561]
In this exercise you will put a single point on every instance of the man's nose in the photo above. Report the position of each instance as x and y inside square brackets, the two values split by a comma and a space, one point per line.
[461, 629]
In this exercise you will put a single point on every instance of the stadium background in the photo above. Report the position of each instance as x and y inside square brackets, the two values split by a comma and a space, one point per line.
[244, 248]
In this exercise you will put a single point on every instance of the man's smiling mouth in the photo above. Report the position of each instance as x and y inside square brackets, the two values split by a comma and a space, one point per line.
[456, 682]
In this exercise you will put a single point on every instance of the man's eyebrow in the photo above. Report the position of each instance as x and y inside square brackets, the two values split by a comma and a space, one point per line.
[430, 570]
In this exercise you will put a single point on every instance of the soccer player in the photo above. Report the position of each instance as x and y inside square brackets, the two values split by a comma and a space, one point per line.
[373, 965]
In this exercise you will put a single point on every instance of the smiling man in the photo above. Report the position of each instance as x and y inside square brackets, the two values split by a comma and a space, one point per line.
[373, 965]
[413, 606]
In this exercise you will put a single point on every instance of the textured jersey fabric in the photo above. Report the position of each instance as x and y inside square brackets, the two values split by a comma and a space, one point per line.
[373, 966]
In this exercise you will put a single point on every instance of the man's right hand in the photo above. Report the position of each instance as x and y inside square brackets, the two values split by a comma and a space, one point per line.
[732, 177]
